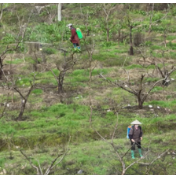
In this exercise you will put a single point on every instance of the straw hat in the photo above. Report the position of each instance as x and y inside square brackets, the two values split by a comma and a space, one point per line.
[136, 122]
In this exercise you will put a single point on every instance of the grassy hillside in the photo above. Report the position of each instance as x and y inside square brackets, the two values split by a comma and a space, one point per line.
[100, 92]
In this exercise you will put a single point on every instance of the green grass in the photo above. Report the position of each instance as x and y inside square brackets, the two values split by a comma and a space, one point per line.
[37, 91]
[164, 104]
[97, 157]
[156, 89]
[133, 66]
[46, 130]
[15, 61]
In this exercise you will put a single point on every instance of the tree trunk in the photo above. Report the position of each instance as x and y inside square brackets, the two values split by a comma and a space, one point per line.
[107, 30]
[60, 82]
[59, 11]
[1, 13]
[165, 39]
[23, 105]
[1, 74]
[131, 52]
[151, 16]
[140, 102]
[119, 35]
[1, 67]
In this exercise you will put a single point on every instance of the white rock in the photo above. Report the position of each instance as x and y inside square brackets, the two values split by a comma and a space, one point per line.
[150, 106]
[8, 105]
[129, 105]
[172, 79]
[4, 171]
[126, 85]
[158, 107]
[80, 172]
[108, 110]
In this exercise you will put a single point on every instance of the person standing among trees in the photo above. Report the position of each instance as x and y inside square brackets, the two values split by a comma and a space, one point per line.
[135, 136]
[74, 37]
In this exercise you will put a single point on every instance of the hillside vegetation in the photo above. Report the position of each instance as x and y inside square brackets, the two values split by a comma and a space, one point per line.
[66, 111]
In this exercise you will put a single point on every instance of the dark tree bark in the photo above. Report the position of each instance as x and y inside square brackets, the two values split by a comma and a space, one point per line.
[131, 52]
[24, 101]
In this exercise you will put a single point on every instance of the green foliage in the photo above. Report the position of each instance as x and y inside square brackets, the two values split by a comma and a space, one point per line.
[150, 79]
[156, 89]
[8, 39]
[2, 161]
[156, 47]
[157, 16]
[37, 91]
[173, 55]
[172, 45]
[46, 33]
[15, 61]
[49, 51]
[108, 44]
[148, 43]
[141, 12]
[165, 104]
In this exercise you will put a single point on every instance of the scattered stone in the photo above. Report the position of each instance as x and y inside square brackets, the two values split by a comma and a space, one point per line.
[158, 107]
[150, 106]
[108, 110]
[129, 105]
[80, 172]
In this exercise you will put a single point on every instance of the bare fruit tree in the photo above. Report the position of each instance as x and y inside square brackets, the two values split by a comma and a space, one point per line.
[64, 65]
[121, 156]
[107, 14]
[53, 164]
[140, 91]
[24, 99]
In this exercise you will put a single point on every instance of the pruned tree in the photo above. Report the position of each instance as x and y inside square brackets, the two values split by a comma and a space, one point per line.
[24, 98]
[63, 65]
[139, 91]
[52, 165]
[165, 73]
[121, 156]
[12, 84]
[3, 105]
[106, 14]
[13, 41]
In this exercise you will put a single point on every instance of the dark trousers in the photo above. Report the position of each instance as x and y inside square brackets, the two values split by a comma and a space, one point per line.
[75, 44]
[135, 143]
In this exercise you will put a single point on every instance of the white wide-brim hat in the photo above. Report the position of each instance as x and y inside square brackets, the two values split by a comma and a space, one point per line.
[136, 122]
[68, 25]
